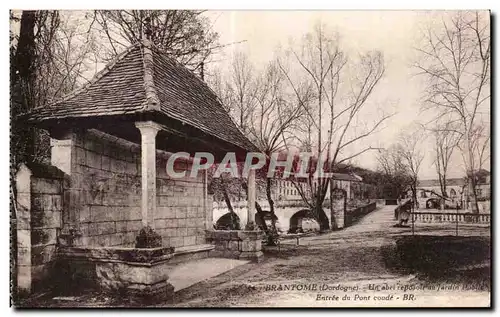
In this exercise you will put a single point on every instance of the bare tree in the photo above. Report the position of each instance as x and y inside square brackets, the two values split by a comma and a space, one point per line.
[480, 154]
[275, 112]
[225, 188]
[31, 40]
[323, 65]
[396, 175]
[445, 142]
[70, 58]
[455, 60]
[63, 50]
[411, 151]
[480, 142]
[242, 90]
[222, 88]
[262, 107]
[237, 89]
[273, 120]
[186, 35]
[31, 51]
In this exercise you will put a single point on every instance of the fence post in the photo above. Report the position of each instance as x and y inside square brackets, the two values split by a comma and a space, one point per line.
[456, 223]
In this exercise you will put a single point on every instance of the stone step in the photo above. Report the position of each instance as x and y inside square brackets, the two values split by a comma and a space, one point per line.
[191, 252]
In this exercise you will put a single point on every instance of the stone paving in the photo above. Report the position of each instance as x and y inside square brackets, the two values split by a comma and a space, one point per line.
[348, 257]
[186, 274]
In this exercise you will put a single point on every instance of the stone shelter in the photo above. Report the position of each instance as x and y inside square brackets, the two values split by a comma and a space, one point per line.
[110, 142]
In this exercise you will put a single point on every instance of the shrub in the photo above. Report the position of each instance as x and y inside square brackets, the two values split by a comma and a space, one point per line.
[148, 238]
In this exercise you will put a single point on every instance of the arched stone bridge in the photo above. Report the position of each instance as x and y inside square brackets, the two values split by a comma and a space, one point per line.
[290, 213]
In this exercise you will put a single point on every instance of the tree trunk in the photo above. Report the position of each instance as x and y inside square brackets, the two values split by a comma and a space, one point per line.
[472, 180]
[443, 189]
[473, 195]
[269, 233]
[273, 231]
[22, 92]
[235, 225]
[22, 147]
[260, 213]
[414, 195]
[322, 219]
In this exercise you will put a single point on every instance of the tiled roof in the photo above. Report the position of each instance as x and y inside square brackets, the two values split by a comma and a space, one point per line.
[140, 80]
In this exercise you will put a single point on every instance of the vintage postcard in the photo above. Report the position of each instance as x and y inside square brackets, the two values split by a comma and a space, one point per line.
[180, 158]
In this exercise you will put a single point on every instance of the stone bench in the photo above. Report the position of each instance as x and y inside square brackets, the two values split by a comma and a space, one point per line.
[291, 236]
[192, 252]
[236, 244]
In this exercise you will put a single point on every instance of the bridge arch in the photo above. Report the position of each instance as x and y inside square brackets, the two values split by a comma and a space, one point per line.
[265, 216]
[228, 221]
[301, 220]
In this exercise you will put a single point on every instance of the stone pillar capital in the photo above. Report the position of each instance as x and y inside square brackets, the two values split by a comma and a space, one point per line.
[148, 127]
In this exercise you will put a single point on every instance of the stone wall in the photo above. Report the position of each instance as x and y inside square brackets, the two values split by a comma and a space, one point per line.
[128, 273]
[108, 174]
[183, 211]
[105, 206]
[354, 215]
[38, 221]
[236, 244]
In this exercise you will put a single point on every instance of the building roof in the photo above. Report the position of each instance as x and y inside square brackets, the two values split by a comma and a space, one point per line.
[481, 176]
[435, 182]
[480, 172]
[140, 81]
[346, 177]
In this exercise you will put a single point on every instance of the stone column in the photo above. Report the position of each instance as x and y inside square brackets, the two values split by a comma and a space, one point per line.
[338, 207]
[207, 203]
[148, 130]
[251, 199]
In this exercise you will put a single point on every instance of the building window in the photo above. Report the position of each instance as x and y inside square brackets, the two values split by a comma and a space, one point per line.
[478, 192]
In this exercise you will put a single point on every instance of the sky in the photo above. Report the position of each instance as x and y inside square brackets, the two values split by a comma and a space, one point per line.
[395, 33]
